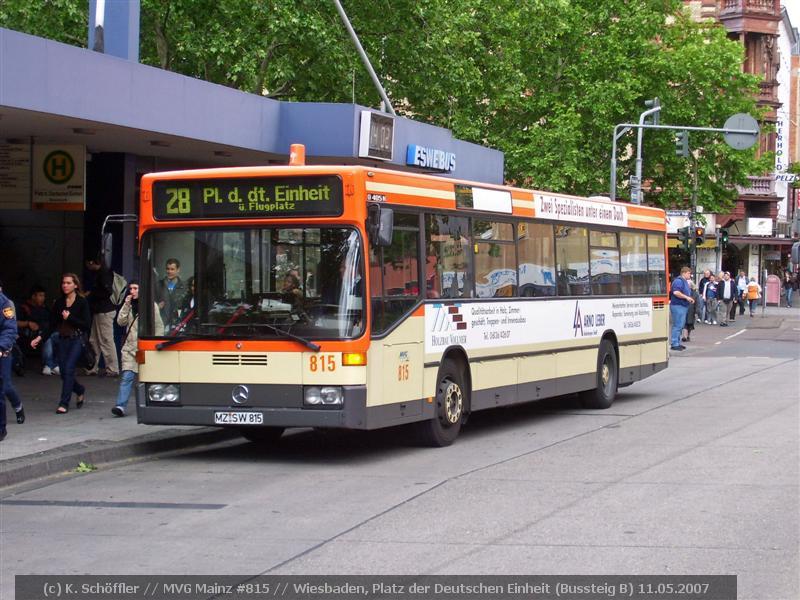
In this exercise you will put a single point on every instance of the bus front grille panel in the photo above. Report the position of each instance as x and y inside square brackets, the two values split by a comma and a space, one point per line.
[239, 360]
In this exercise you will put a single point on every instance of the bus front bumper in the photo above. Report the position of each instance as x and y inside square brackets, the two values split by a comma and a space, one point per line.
[201, 407]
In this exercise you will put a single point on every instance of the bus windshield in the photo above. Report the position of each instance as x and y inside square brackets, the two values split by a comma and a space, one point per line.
[259, 283]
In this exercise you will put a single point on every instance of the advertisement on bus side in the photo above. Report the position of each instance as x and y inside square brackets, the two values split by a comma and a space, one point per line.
[475, 325]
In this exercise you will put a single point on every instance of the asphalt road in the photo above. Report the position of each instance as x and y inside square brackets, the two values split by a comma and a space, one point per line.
[693, 471]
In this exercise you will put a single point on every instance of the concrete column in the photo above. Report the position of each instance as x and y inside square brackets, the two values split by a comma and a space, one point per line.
[130, 250]
[119, 34]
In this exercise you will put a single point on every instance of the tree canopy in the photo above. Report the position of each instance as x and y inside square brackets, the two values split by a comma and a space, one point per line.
[545, 81]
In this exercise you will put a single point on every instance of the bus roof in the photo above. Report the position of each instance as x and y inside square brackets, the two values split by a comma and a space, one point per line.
[445, 193]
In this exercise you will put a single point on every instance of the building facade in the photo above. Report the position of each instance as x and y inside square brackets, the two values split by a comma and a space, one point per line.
[760, 223]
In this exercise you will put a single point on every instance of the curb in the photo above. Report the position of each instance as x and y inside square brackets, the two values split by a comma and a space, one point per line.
[61, 460]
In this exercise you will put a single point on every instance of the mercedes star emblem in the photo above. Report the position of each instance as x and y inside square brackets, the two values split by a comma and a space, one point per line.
[240, 394]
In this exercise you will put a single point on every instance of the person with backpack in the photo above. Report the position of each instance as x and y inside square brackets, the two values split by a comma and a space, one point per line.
[103, 313]
[128, 318]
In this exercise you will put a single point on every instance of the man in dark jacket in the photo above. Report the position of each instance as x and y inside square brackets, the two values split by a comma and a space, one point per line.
[726, 292]
[103, 314]
[8, 336]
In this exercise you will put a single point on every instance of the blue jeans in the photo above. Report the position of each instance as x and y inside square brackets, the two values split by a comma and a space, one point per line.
[48, 352]
[7, 390]
[700, 311]
[789, 293]
[125, 386]
[69, 350]
[678, 315]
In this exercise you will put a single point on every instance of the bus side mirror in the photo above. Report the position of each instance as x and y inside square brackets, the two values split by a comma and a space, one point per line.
[380, 225]
[106, 251]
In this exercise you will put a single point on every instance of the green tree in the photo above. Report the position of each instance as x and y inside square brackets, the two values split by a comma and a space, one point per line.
[545, 81]
[61, 20]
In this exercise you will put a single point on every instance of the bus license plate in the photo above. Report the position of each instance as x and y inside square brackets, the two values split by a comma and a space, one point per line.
[238, 418]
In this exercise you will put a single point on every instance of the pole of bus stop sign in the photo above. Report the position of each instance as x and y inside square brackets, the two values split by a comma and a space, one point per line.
[692, 217]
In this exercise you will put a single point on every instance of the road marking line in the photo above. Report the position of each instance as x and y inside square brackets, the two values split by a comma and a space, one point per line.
[717, 343]
[735, 334]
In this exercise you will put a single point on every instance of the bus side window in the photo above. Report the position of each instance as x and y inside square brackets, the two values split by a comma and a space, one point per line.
[572, 255]
[447, 258]
[394, 274]
[536, 259]
[656, 264]
[633, 260]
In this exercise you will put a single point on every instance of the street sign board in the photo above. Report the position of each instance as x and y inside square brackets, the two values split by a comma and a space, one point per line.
[741, 141]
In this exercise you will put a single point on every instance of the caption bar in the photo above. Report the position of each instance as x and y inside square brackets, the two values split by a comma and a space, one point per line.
[389, 587]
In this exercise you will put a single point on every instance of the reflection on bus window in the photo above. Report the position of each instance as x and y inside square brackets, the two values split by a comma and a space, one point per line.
[572, 260]
[536, 259]
[447, 267]
[633, 262]
[604, 263]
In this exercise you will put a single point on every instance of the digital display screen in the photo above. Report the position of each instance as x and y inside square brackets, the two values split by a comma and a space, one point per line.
[247, 198]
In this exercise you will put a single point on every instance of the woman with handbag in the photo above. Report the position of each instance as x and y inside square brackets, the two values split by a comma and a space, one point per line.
[71, 319]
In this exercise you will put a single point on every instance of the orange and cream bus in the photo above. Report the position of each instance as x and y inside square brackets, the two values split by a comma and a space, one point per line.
[355, 297]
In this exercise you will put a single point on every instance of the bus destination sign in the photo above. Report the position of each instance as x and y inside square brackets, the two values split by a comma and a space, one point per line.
[247, 198]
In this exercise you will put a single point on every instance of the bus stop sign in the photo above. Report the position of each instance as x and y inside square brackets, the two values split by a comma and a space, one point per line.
[741, 141]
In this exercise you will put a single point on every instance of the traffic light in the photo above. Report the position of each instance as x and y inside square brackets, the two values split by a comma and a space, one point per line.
[699, 235]
[682, 144]
[723, 238]
[683, 237]
[654, 103]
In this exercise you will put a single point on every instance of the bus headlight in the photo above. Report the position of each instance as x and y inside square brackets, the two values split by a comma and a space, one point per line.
[327, 396]
[164, 392]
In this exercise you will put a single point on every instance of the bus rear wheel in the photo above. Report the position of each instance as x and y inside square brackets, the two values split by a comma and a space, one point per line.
[262, 435]
[602, 396]
[452, 402]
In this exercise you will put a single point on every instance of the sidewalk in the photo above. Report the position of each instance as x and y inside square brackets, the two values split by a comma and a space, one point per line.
[48, 443]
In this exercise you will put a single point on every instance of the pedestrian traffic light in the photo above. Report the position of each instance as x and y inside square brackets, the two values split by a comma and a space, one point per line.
[699, 235]
[683, 237]
[723, 238]
[682, 144]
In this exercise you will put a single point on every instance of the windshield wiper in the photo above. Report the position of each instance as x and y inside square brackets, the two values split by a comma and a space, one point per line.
[185, 338]
[306, 342]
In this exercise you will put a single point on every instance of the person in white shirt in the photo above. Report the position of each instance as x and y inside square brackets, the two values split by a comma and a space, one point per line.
[741, 287]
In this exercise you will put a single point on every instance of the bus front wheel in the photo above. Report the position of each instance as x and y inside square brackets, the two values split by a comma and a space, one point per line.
[602, 396]
[452, 402]
[262, 435]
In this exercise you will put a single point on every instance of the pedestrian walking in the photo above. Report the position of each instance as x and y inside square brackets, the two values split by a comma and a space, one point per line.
[711, 299]
[8, 337]
[691, 313]
[701, 290]
[726, 291]
[680, 297]
[789, 286]
[741, 286]
[128, 318]
[103, 312]
[753, 294]
[71, 319]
